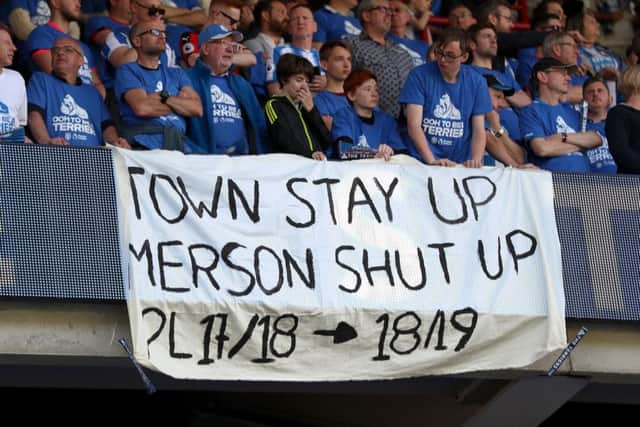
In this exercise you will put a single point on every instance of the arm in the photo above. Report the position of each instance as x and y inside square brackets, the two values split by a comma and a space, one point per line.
[146, 104]
[190, 18]
[414, 126]
[187, 103]
[551, 146]
[42, 58]
[97, 83]
[478, 141]
[519, 99]
[505, 150]
[20, 23]
[584, 140]
[110, 136]
[98, 38]
[244, 57]
[39, 130]
[122, 55]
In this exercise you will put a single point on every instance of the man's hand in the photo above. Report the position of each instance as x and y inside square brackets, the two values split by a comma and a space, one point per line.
[318, 155]
[471, 163]
[305, 97]
[120, 142]
[58, 141]
[385, 152]
[442, 162]
[318, 83]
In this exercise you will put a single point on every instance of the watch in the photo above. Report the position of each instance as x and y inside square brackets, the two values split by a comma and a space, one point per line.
[564, 136]
[498, 133]
[164, 95]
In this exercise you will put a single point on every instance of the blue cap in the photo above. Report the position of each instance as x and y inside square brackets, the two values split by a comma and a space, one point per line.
[217, 32]
[495, 83]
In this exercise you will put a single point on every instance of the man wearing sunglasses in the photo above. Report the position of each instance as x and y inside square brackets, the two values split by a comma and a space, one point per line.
[154, 99]
[65, 111]
[445, 105]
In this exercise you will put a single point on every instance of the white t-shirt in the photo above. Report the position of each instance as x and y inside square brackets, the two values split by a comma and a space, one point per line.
[13, 104]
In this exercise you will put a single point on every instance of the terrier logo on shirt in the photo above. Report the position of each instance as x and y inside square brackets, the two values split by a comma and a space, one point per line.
[43, 13]
[71, 108]
[219, 97]
[562, 126]
[349, 28]
[446, 110]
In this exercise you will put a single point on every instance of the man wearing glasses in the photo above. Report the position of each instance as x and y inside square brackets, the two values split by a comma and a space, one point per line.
[445, 104]
[233, 122]
[154, 98]
[460, 16]
[375, 52]
[550, 127]
[65, 111]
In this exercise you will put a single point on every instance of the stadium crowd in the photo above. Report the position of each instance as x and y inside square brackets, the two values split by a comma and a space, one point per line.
[346, 80]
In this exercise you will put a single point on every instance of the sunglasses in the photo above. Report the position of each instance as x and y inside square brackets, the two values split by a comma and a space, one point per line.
[152, 10]
[153, 32]
[232, 20]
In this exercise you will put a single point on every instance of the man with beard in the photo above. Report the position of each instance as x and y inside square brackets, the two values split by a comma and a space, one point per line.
[272, 19]
[154, 98]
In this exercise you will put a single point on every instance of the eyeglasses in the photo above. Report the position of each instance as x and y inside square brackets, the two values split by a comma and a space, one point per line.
[383, 9]
[154, 32]
[56, 50]
[232, 20]
[152, 10]
[551, 28]
[447, 56]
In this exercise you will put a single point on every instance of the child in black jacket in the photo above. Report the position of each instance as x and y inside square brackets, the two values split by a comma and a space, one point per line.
[294, 123]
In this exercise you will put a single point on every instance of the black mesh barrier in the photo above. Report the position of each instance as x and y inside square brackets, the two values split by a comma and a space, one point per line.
[59, 233]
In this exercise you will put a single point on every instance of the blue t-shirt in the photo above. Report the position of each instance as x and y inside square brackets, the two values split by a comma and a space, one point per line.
[74, 112]
[417, 49]
[526, 60]
[329, 103]
[600, 157]
[44, 36]
[134, 76]
[94, 25]
[447, 108]
[39, 10]
[334, 26]
[230, 136]
[310, 55]
[348, 130]
[539, 120]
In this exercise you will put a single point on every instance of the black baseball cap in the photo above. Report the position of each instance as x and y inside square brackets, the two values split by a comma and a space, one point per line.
[546, 63]
[495, 83]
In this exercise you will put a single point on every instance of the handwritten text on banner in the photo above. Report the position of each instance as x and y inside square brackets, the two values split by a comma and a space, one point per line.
[281, 268]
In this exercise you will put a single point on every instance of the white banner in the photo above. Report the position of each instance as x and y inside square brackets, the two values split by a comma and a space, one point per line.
[281, 268]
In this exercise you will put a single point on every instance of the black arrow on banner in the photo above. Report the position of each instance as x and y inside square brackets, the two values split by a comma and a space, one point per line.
[344, 332]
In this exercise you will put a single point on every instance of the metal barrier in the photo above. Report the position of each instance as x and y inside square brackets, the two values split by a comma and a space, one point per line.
[59, 232]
